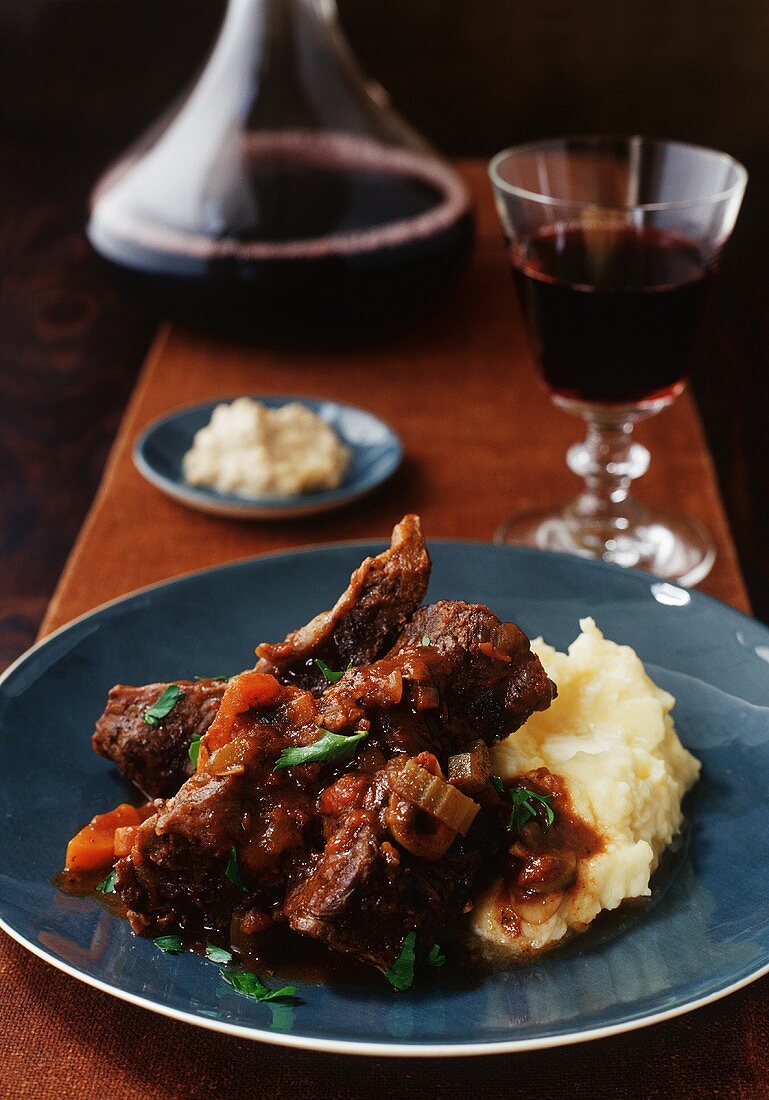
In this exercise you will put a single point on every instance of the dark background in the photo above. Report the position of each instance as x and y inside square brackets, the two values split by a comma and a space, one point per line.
[80, 78]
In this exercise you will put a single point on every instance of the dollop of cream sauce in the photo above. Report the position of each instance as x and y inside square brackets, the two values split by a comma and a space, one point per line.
[254, 451]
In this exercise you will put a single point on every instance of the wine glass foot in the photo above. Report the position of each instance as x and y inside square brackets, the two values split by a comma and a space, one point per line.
[674, 547]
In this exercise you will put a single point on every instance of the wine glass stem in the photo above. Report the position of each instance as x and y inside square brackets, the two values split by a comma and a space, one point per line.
[608, 460]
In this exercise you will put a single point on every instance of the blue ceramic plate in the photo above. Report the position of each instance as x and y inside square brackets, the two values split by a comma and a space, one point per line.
[376, 454]
[705, 933]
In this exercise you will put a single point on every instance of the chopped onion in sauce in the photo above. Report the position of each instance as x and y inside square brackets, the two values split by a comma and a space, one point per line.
[433, 795]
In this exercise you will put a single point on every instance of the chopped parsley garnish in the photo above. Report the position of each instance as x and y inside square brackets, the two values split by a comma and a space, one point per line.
[525, 804]
[435, 957]
[224, 679]
[163, 706]
[217, 954]
[171, 944]
[328, 749]
[401, 973]
[329, 674]
[232, 871]
[250, 985]
[194, 750]
[426, 640]
[107, 885]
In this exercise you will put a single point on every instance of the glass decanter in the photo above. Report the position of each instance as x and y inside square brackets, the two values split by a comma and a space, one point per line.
[283, 196]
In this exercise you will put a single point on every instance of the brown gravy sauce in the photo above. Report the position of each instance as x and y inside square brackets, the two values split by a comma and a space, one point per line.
[542, 861]
[280, 951]
[535, 855]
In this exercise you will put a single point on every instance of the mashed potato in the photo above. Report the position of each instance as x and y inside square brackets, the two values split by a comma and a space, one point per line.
[610, 737]
[254, 451]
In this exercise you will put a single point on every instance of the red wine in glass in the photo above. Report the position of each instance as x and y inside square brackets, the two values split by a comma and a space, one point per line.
[613, 310]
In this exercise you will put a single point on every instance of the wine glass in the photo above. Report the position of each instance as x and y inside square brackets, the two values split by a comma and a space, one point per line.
[613, 243]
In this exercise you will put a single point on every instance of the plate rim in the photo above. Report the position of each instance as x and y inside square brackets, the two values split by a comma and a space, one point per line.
[355, 1046]
[366, 1048]
[229, 504]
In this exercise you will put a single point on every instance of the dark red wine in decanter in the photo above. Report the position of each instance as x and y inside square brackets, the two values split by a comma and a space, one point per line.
[283, 198]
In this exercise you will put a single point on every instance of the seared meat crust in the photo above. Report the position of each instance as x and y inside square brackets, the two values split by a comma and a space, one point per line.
[366, 619]
[156, 758]
[476, 677]
[491, 681]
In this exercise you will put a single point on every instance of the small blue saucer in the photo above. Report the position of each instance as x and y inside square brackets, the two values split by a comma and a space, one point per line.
[376, 454]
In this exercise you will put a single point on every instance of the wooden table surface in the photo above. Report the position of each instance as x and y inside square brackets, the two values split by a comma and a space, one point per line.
[481, 440]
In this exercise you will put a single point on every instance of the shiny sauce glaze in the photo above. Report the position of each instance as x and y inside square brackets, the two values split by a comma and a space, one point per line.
[541, 869]
[265, 949]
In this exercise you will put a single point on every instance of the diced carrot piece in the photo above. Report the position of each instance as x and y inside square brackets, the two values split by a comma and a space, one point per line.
[249, 689]
[93, 848]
